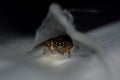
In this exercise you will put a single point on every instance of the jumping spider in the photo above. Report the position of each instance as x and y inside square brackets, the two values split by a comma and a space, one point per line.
[60, 44]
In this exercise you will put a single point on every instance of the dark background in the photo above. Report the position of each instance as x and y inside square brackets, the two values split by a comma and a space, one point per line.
[26, 17]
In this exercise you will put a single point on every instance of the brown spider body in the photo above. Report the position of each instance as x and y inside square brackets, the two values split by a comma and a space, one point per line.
[61, 44]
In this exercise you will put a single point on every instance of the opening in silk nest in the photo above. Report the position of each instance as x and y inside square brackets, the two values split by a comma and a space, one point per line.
[59, 22]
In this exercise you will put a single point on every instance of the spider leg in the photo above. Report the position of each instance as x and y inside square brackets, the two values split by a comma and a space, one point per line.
[69, 54]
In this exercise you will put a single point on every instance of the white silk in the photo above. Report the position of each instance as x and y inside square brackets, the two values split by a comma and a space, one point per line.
[16, 64]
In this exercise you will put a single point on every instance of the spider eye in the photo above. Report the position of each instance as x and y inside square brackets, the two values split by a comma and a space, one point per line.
[59, 42]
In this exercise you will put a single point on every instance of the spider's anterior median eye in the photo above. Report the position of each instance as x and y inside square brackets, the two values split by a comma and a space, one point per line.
[60, 44]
